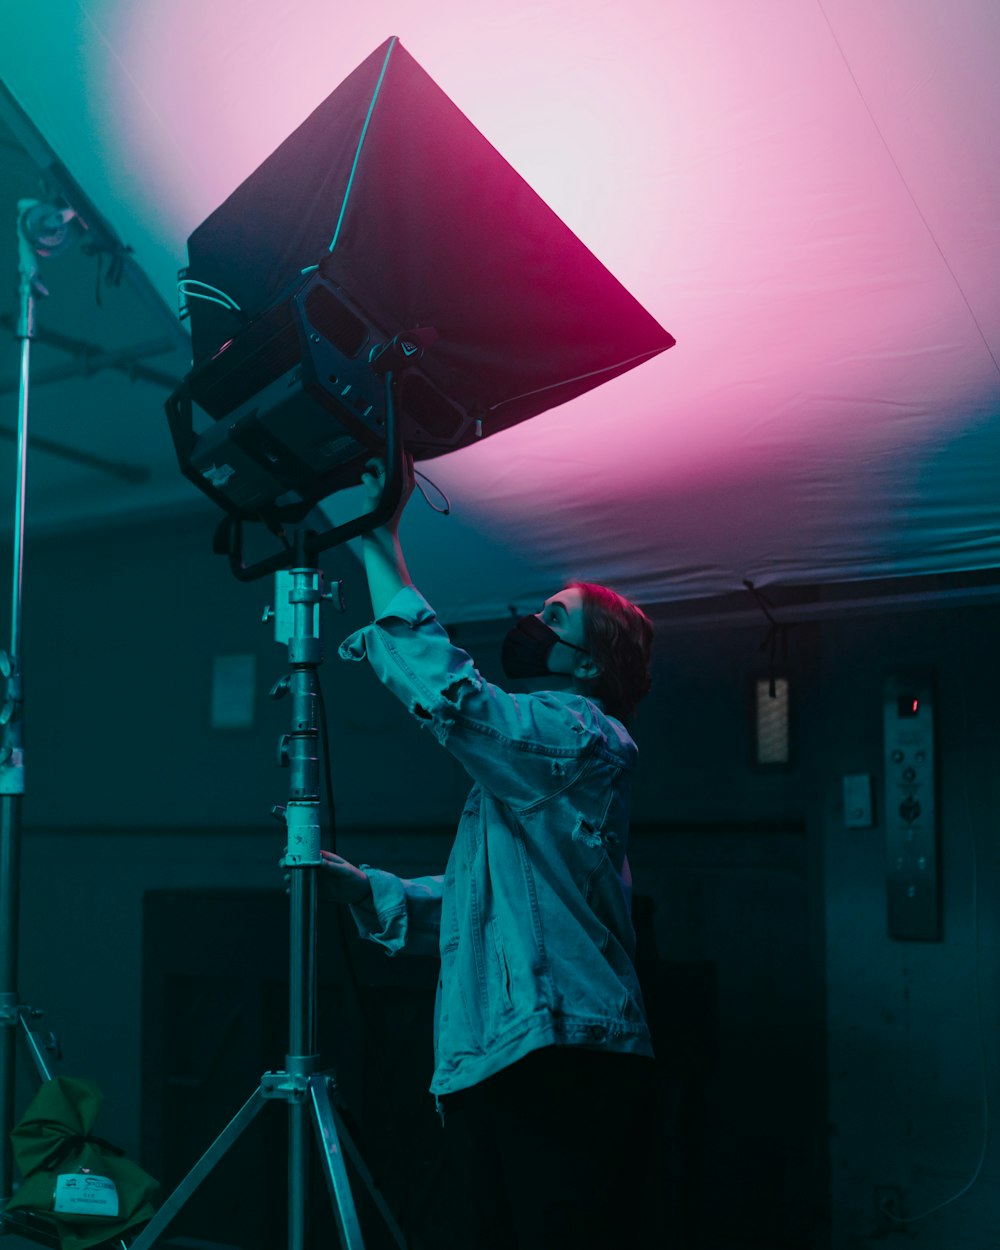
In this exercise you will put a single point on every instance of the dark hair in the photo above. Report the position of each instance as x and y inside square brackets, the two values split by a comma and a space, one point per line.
[619, 636]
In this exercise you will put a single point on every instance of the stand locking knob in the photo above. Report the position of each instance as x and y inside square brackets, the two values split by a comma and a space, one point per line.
[335, 595]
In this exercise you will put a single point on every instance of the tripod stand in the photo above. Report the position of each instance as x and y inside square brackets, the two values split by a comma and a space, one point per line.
[41, 230]
[308, 1092]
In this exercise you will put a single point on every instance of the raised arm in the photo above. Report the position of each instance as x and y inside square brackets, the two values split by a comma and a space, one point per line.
[522, 748]
[385, 567]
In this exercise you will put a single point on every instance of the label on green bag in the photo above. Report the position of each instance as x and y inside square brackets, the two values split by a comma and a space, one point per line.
[82, 1193]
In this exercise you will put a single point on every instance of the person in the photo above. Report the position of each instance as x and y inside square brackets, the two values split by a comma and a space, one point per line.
[541, 1043]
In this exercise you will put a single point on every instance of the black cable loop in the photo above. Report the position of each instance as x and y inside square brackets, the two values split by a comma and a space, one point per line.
[116, 252]
[777, 635]
[446, 510]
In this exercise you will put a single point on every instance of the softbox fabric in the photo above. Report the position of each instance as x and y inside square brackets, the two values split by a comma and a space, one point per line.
[409, 209]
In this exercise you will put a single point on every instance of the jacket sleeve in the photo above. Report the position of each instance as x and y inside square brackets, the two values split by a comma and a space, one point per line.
[402, 914]
[522, 748]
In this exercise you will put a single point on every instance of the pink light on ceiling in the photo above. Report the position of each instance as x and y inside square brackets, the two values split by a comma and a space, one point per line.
[569, 97]
[718, 158]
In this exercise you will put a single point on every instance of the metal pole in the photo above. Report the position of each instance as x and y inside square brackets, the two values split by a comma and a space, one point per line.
[302, 818]
[22, 473]
[298, 596]
[12, 751]
[9, 869]
[300, 1059]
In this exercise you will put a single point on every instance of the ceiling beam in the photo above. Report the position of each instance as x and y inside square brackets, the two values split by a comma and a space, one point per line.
[90, 359]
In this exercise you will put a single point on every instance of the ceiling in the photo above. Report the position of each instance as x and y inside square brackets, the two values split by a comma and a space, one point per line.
[805, 193]
[102, 360]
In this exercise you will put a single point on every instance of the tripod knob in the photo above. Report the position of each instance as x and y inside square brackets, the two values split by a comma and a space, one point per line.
[281, 687]
[283, 754]
[278, 812]
[335, 595]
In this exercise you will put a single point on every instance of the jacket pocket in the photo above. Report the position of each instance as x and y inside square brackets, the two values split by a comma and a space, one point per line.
[505, 998]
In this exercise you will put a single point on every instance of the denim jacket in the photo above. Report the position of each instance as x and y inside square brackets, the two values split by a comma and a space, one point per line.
[532, 916]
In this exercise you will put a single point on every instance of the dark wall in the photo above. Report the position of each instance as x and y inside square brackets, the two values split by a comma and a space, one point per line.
[912, 1025]
[816, 1066]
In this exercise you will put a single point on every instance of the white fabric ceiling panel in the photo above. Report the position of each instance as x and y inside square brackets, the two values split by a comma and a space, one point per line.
[805, 193]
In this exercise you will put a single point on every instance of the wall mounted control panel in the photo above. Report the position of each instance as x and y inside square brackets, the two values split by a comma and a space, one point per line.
[911, 808]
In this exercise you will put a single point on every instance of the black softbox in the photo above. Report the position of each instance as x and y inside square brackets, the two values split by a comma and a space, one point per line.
[384, 234]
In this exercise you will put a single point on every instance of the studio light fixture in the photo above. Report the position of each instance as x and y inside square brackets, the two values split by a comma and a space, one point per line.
[384, 239]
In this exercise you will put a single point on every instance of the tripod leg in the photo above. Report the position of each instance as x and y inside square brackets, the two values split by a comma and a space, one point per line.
[37, 1045]
[334, 1167]
[151, 1233]
[369, 1182]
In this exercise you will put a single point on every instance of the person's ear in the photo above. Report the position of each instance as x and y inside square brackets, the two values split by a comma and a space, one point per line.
[587, 669]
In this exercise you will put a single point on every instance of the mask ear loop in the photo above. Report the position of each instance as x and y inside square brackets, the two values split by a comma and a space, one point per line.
[582, 650]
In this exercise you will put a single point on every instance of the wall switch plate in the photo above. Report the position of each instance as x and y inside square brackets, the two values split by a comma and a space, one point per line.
[910, 814]
[858, 801]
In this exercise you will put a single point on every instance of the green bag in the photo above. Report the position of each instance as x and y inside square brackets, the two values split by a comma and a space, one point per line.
[78, 1180]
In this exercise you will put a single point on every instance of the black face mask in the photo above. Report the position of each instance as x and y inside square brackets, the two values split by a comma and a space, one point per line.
[525, 651]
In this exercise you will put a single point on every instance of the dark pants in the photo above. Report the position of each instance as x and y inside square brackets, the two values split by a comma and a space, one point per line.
[559, 1144]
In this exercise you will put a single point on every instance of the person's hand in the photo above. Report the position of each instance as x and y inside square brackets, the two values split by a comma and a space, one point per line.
[373, 480]
[341, 882]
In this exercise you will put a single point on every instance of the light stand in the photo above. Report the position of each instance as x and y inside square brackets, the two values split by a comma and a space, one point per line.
[309, 1092]
[41, 230]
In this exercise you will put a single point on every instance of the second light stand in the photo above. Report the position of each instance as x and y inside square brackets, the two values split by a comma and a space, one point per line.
[42, 230]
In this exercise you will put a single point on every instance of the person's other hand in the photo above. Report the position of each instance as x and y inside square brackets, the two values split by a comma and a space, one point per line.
[341, 882]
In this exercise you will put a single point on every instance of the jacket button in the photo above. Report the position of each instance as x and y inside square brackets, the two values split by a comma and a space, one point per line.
[597, 1033]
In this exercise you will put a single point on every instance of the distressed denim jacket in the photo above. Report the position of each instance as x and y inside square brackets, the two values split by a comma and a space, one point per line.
[532, 916]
